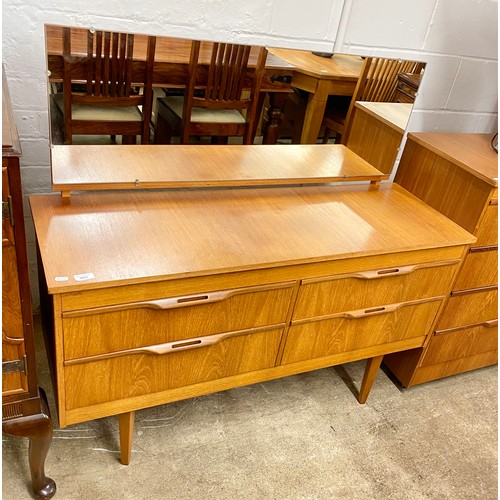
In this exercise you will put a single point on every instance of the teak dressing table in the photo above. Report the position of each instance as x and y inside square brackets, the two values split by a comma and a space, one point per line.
[165, 294]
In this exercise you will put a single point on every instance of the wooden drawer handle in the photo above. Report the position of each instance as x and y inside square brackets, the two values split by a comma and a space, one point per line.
[12, 340]
[490, 324]
[177, 302]
[396, 271]
[367, 313]
[373, 311]
[485, 324]
[468, 291]
[489, 248]
[176, 346]
[494, 201]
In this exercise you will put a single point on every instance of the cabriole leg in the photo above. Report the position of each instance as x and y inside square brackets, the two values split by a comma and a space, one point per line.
[38, 429]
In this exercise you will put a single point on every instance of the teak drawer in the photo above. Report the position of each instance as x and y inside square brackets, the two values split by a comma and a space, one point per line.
[354, 330]
[93, 382]
[95, 331]
[487, 232]
[480, 269]
[460, 343]
[469, 307]
[323, 296]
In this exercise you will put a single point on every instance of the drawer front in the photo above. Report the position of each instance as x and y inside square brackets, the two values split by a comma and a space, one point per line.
[13, 347]
[320, 297]
[480, 269]
[487, 233]
[102, 330]
[315, 339]
[461, 343]
[403, 97]
[123, 377]
[14, 381]
[469, 308]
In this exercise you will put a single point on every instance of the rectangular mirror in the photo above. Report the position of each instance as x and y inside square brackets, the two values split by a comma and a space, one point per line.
[302, 97]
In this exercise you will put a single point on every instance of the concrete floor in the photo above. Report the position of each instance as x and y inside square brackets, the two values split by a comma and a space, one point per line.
[302, 437]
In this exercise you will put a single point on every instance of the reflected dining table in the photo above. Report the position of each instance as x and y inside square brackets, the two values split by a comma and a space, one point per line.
[320, 77]
[284, 68]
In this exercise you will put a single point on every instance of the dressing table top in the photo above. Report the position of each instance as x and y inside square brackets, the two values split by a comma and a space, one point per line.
[144, 236]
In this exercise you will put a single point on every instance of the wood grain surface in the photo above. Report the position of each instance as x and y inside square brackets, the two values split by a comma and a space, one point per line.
[136, 237]
[471, 152]
[138, 167]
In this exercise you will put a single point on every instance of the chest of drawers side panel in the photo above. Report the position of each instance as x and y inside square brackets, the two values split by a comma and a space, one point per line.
[449, 189]
[436, 176]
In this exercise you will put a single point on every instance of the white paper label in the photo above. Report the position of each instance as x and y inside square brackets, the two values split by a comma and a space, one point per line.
[61, 278]
[84, 277]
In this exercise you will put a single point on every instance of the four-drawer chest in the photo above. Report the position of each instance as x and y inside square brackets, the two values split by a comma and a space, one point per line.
[457, 175]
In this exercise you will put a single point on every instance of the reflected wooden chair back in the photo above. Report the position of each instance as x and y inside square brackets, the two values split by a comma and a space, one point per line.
[377, 83]
[214, 99]
[106, 92]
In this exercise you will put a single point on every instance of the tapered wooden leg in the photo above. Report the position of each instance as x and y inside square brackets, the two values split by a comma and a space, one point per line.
[372, 366]
[126, 423]
[38, 429]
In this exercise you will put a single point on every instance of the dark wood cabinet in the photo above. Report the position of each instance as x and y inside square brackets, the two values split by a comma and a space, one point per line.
[407, 88]
[24, 405]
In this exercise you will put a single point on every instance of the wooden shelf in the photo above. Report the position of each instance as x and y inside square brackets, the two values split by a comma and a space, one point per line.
[84, 168]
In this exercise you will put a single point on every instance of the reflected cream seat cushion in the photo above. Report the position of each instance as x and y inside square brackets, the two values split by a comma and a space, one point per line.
[202, 115]
[98, 114]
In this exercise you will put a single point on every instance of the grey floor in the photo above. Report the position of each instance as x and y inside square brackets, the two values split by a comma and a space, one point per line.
[302, 437]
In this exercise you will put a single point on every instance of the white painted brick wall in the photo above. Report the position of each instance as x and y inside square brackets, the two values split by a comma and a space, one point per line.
[458, 41]
[457, 38]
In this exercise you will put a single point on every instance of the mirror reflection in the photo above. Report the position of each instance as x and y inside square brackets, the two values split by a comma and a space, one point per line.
[108, 87]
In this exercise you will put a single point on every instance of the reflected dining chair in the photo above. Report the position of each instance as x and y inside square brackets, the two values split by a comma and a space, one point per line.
[214, 100]
[377, 83]
[99, 96]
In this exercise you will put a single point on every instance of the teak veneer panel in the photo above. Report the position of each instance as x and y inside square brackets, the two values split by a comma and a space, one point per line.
[179, 166]
[319, 297]
[454, 367]
[377, 138]
[487, 233]
[238, 312]
[470, 152]
[393, 114]
[479, 269]
[475, 306]
[79, 300]
[326, 337]
[457, 175]
[141, 374]
[461, 344]
[453, 191]
[254, 228]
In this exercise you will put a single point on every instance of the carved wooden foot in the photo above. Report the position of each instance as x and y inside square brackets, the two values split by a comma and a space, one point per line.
[372, 366]
[38, 429]
[126, 423]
